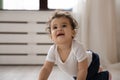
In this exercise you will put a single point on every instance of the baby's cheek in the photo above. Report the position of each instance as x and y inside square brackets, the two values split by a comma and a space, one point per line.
[53, 31]
[53, 34]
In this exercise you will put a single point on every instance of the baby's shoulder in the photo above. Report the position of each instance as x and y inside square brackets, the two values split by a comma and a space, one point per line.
[77, 44]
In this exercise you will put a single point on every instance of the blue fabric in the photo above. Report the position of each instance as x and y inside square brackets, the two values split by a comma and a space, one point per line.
[93, 70]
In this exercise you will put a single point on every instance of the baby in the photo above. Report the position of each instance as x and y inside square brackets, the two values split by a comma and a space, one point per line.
[70, 55]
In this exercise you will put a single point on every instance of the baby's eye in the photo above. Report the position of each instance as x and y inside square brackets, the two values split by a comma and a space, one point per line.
[54, 27]
[64, 25]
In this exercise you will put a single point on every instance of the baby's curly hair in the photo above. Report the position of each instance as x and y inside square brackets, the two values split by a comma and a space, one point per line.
[61, 13]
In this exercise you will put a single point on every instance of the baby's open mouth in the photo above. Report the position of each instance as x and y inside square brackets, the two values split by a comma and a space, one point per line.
[60, 34]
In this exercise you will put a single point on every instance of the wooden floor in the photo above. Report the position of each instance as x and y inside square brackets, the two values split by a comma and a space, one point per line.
[28, 73]
[19, 72]
[32, 72]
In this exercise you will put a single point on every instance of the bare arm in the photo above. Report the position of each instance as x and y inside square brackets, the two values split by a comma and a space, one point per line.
[82, 70]
[46, 70]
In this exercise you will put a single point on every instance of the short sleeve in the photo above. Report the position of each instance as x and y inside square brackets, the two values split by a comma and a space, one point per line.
[80, 52]
[51, 54]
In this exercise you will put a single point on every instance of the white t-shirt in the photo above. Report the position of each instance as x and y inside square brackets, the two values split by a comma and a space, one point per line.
[77, 54]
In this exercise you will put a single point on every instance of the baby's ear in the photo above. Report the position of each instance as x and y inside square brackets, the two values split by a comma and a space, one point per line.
[73, 33]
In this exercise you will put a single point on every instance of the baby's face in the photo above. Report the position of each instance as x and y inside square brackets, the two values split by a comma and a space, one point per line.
[61, 30]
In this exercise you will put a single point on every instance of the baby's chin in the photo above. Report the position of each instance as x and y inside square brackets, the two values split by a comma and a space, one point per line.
[60, 41]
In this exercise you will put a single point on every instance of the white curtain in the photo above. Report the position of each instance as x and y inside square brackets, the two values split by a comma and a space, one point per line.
[97, 27]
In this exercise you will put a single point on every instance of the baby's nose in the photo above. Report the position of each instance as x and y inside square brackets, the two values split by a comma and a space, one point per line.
[59, 28]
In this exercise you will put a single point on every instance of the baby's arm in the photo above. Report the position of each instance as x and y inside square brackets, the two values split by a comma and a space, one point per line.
[46, 70]
[82, 70]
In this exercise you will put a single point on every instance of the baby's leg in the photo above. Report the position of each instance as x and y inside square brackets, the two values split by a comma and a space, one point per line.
[109, 74]
[95, 71]
[94, 67]
[104, 75]
[100, 69]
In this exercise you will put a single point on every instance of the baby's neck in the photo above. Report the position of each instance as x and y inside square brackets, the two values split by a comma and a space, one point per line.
[65, 46]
